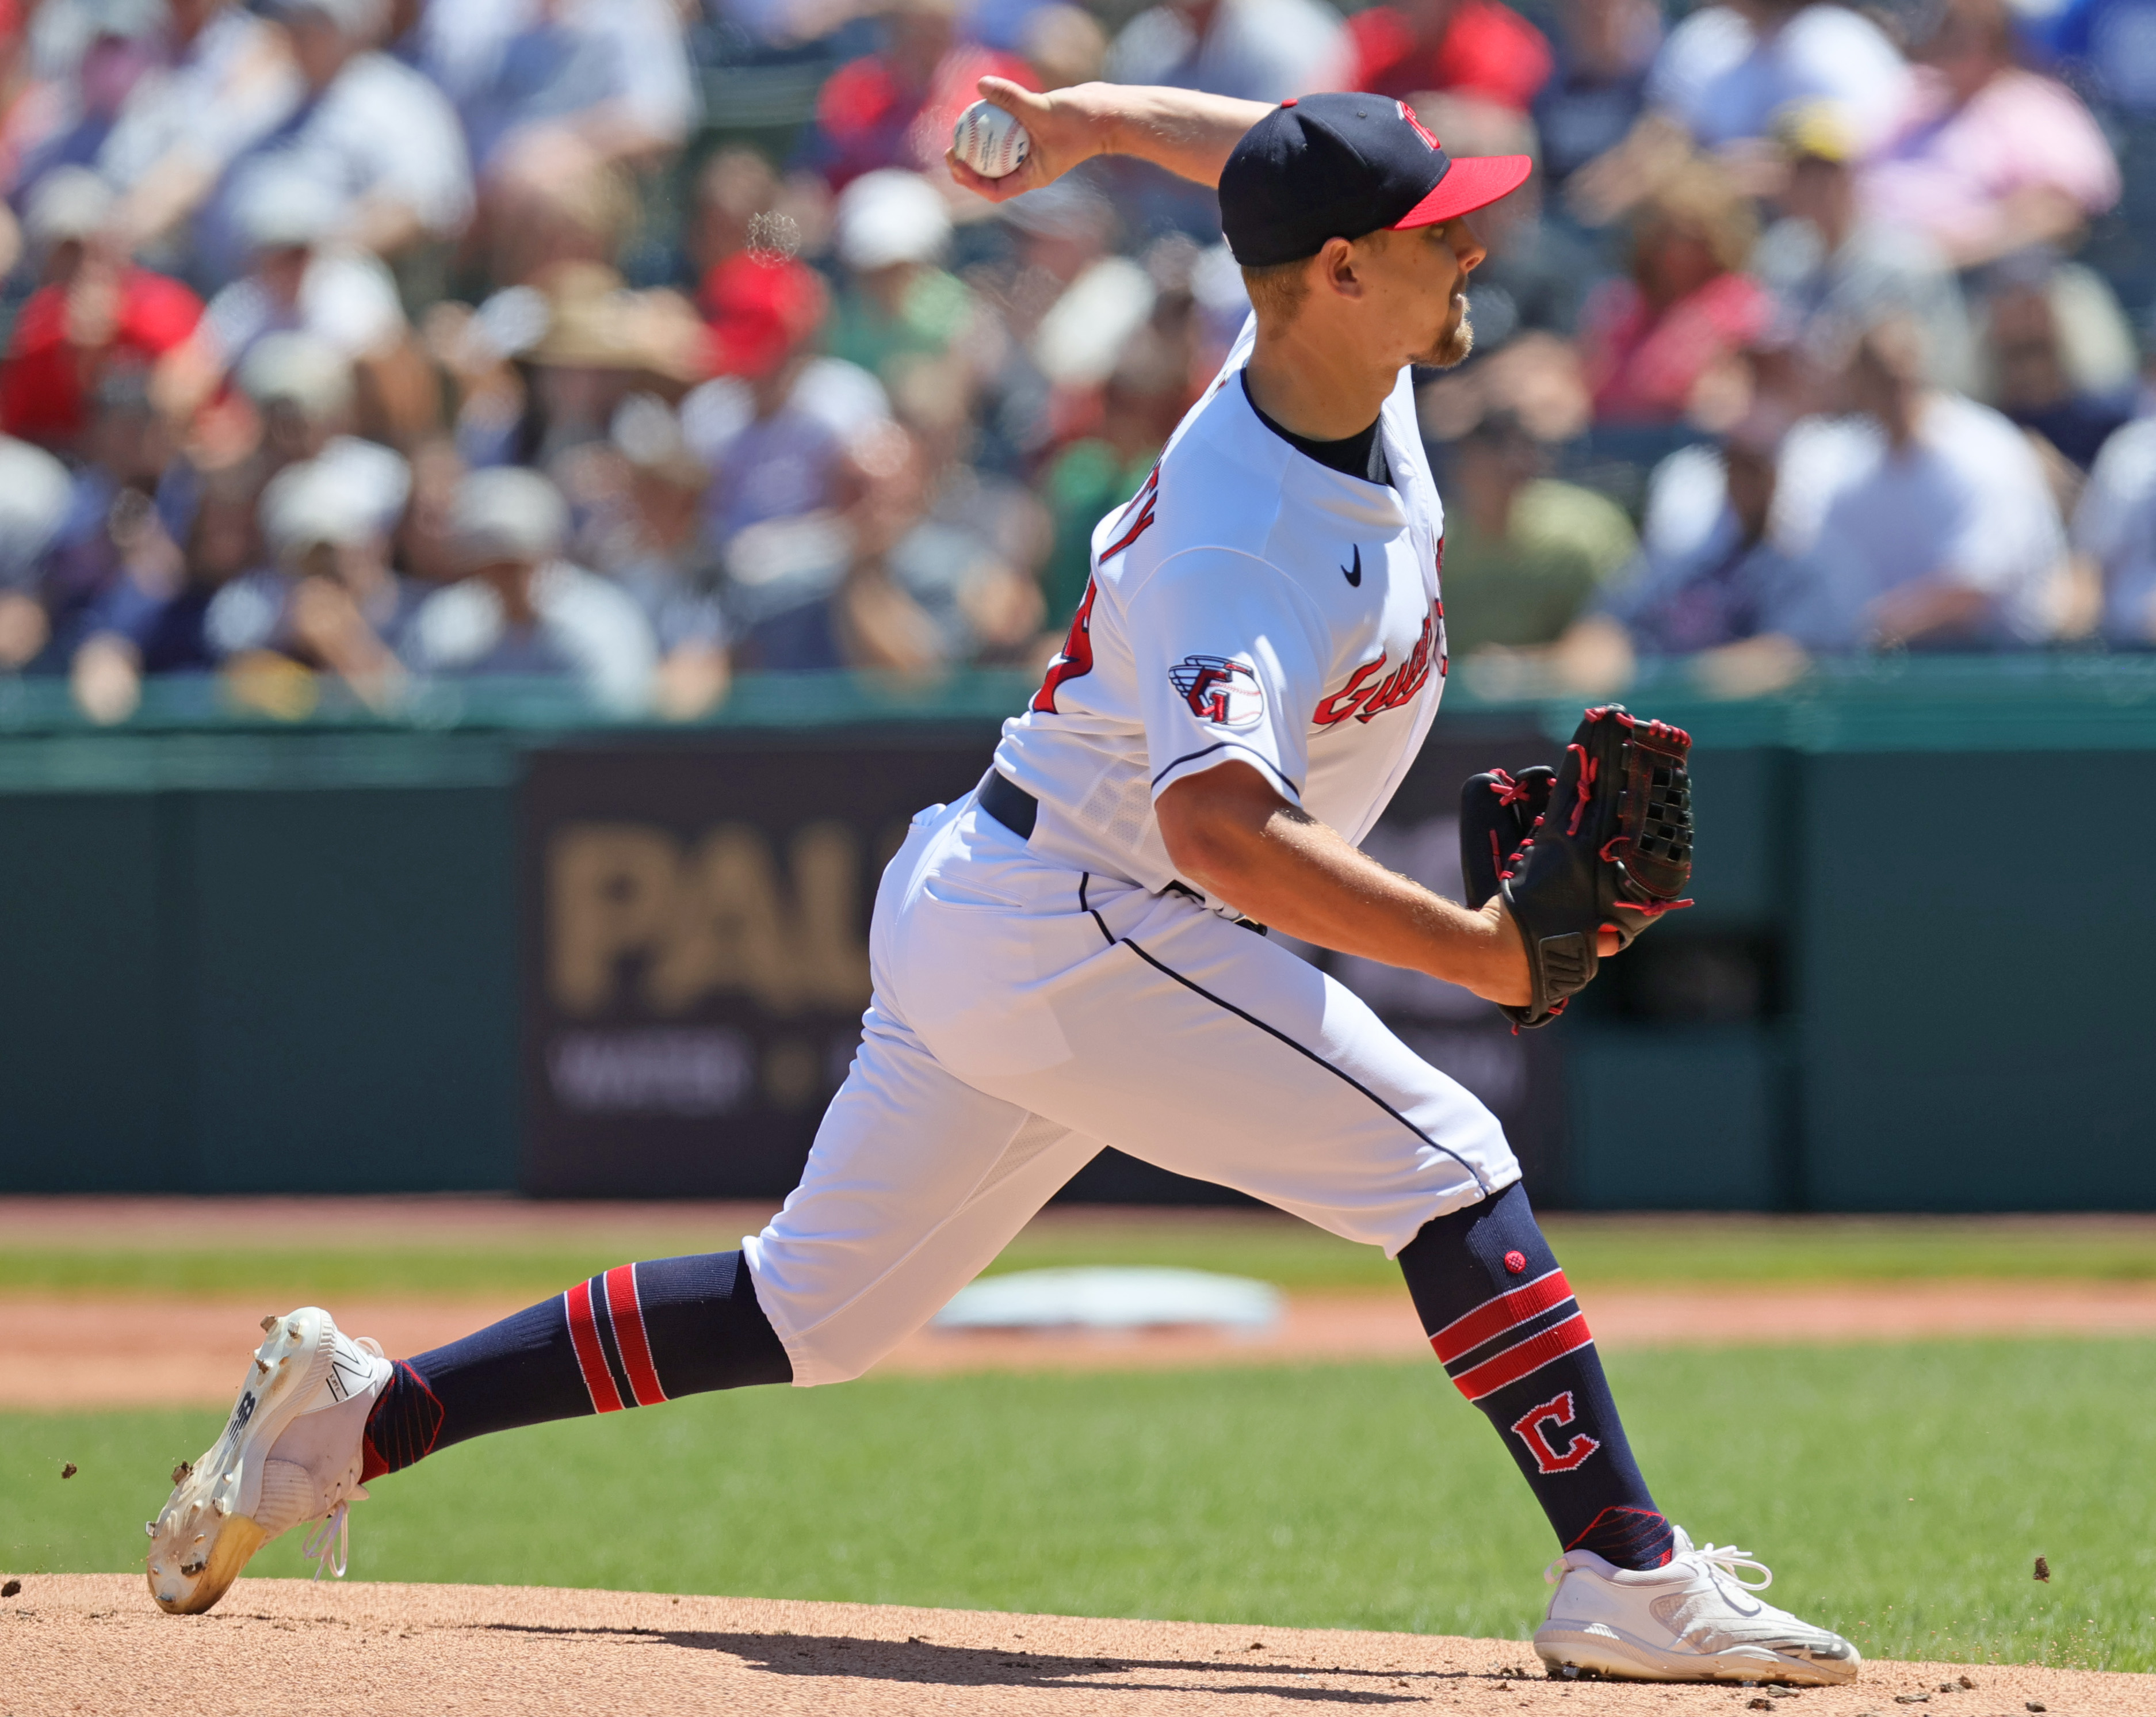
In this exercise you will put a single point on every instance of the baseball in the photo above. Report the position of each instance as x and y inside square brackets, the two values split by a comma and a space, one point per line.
[990, 141]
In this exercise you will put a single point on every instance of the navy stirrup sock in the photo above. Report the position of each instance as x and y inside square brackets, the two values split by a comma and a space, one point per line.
[1503, 1318]
[638, 1335]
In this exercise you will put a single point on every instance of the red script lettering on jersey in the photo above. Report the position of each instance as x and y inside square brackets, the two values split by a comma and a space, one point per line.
[1074, 661]
[1363, 697]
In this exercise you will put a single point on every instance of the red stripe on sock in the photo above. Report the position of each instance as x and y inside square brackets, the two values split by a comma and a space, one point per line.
[1494, 1316]
[1530, 1355]
[591, 1358]
[629, 1335]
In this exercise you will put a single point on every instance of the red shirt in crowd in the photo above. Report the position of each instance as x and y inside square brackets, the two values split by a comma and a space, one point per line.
[1487, 50]
[47, 377]
[1642, 368]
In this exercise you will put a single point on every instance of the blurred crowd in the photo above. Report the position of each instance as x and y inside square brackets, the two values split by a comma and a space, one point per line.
[370, 343]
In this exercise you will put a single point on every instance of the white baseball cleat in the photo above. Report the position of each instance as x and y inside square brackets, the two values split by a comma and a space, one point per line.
[1692, 1620]
[290, 1452]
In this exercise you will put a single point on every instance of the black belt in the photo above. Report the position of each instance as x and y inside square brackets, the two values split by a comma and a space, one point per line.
[1009, 804]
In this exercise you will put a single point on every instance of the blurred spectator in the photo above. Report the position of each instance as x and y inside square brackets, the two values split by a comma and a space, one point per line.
[380, 143]
[1474, 47]
[425, 547]
[329, 600]
[302, 396]
[222, 77]
[1536, 275]
[1837, 271]
[523, 610]
[2032, 383]
[126, 448]
[1597, 86]
[613, 74]
[34, 495]
[2108, 46]
[1708, 579]
[941, 567]
[1987, 158]
[1523, 553]
[296, 282]
[2115, 534]
[94, 309]
[604, 341]
[1063, 45]
[1093, 474]
[1727, 69]
[775, 423]
[119, 47]
[1940, 531]
[734, 190]
[1651, 341]
[972, 551]
[162, 613]
[651, 542]
[553, 204]
[895, 107]
[1261, 50]
[892, 229]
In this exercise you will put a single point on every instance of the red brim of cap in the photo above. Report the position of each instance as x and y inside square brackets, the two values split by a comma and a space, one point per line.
[1472, 182]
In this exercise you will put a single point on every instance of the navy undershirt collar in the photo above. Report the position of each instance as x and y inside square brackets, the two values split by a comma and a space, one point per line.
[1359, 456]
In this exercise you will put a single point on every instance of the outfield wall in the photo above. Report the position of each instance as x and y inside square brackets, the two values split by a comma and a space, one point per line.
[508, 949]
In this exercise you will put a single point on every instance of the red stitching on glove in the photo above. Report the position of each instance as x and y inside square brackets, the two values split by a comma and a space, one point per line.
[1587, 768]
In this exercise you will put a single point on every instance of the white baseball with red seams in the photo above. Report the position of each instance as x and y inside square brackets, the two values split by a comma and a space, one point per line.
[1037, 998]
[990, 141]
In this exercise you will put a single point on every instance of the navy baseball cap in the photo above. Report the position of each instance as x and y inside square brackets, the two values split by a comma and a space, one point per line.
[1339, 166]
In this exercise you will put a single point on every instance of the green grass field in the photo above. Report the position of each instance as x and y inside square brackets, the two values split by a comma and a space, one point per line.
[1902, 1494]
[1597, 1251]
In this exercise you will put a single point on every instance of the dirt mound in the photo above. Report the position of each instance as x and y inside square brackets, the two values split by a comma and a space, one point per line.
[94, 1643]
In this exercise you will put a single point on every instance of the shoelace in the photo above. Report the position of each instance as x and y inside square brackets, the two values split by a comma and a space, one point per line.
[1729, 1559]
[331, 1547]
[1725, 1557]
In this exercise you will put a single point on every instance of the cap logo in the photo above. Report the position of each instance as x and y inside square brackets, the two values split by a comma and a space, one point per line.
[1421, 130]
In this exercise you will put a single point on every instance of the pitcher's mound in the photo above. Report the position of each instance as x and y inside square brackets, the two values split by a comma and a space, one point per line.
[95, 1643]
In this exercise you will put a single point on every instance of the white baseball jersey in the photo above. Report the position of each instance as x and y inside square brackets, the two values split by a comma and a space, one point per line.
[1249, 603]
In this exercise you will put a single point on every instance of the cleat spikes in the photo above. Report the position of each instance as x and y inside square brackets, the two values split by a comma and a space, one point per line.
[268, 1323]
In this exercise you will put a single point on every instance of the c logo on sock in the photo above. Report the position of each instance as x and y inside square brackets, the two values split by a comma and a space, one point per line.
[1557, 1411]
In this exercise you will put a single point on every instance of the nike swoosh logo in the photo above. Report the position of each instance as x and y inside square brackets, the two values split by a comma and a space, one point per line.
[1354, 576]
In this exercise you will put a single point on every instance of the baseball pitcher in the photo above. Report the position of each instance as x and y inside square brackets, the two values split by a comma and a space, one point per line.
[1071, 957]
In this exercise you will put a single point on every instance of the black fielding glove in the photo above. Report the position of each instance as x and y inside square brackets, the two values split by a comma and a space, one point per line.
[1496, 811]
[1603, 842]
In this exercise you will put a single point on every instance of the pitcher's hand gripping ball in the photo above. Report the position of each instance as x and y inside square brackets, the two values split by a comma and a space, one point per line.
[990, 141]
[1602, 842]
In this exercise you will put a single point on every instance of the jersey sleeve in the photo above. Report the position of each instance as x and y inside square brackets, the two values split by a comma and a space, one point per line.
[1229, 663]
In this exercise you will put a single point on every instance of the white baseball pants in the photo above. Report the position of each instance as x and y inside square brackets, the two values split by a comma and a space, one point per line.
[1023, 1016]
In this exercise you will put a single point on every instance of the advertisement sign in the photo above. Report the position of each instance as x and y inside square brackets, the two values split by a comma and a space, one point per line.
[695, 954]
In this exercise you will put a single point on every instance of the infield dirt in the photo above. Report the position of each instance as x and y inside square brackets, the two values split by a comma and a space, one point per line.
[94, 1643]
